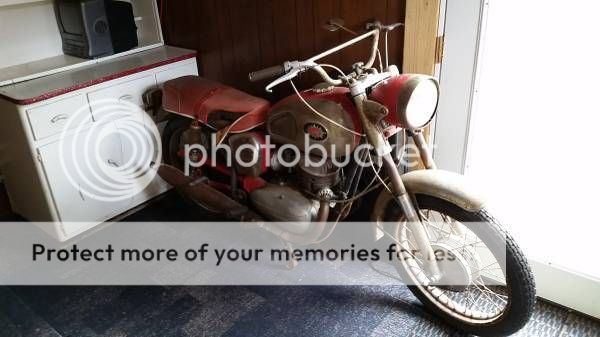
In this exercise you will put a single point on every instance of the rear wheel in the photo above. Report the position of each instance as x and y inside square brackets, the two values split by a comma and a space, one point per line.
[171, 141]
[498, 295]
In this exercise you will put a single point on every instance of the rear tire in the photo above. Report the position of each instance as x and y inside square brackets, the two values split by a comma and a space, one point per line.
[171, 137]
[171, 144]
[519, 280]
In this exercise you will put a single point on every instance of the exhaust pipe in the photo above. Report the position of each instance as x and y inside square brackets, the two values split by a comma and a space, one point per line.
[215, 201]
[316, 230]
[205, 195]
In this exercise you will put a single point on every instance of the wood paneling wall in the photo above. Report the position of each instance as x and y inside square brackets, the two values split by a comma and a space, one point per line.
[235, 37]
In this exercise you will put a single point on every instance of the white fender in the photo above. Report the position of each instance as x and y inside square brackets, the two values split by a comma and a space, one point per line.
[446, 185]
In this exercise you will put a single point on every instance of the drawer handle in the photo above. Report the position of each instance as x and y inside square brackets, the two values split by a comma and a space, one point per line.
[58, 118]
[126, 97]
[112, 163]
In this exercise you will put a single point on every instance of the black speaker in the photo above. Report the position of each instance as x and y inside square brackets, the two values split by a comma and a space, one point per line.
[123, 30]
[84, 28]
[95, 28]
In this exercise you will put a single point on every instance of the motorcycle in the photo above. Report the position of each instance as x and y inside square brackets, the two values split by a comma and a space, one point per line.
[366, 112]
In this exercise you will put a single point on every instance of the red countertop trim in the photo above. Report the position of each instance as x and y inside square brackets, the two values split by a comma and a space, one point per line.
[95, 81]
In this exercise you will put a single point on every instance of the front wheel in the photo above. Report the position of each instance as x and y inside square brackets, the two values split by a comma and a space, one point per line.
[498, 295]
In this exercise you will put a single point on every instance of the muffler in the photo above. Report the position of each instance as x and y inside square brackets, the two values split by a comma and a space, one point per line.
[213, 200]
[205, 196]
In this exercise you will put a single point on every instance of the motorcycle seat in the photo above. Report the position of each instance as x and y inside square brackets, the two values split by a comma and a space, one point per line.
[198, 98]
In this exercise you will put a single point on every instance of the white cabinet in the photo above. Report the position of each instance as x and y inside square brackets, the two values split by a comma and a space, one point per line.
[64, 138]
[51, 102]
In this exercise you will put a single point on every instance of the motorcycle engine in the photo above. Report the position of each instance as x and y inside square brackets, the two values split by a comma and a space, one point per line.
[313, 179]
[295, 123]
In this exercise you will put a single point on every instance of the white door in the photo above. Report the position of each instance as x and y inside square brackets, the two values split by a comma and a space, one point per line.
[141, 148]
[525, 130]
[79, 170]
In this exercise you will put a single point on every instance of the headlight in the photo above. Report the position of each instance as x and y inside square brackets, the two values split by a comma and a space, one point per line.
[418, 100]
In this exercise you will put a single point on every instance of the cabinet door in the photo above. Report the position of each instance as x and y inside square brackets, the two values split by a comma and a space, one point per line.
[141, 146]
[81, 170]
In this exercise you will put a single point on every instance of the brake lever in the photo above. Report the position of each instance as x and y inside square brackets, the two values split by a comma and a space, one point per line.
[284, 78]
[293, 68]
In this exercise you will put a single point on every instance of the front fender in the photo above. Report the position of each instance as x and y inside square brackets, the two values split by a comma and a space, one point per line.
[446, 185]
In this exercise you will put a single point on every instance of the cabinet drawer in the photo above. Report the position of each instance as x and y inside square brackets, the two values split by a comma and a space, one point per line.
[53, 118]
[115, 101]
[179, 71]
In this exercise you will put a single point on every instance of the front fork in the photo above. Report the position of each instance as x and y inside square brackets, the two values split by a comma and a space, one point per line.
[413, 219]
[383, 150]
[423, 148]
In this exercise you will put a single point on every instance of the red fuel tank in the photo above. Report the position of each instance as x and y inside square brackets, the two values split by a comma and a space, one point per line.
[335, 124]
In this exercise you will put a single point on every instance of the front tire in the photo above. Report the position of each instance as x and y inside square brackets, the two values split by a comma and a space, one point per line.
[514, 308]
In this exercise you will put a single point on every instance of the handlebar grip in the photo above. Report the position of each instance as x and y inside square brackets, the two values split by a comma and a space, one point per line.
[266, 73]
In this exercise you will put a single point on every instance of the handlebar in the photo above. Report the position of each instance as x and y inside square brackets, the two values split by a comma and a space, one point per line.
[266, 73]
[290, 70]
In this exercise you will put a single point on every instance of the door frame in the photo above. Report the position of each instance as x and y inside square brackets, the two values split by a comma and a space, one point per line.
[464, 28]
[423, 26]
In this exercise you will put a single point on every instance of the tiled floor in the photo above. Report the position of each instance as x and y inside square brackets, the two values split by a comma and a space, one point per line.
[239, 311]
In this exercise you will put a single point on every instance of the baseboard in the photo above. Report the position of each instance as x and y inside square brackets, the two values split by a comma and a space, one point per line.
[567, 288]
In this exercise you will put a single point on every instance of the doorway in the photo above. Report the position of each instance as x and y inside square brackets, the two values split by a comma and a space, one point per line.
[518, 116]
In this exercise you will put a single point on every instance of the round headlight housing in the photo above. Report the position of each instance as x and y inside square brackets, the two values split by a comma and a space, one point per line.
[418, 101]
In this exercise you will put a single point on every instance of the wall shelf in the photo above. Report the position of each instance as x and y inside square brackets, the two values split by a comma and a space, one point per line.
[4, 3]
